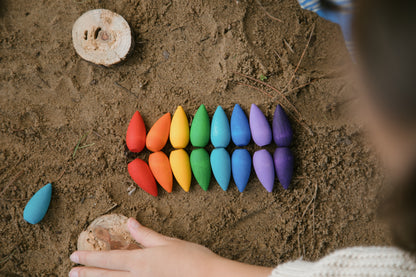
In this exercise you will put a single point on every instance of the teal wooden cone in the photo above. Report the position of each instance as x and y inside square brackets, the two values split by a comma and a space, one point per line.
[220, 129]
[38, 205]
[221, 167]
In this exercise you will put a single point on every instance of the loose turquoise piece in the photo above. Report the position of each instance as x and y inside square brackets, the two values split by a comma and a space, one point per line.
[241, 168]
[38, 205]
[240, 127]
[200, 128]
[221, 167]
[220, 129]
[201, 167]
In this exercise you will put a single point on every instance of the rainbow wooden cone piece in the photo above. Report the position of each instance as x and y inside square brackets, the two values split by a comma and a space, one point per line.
[260, 127]
[201, 167]
[200, 128]
[179, 129]
[38, 205]
[221, 167]
[142, 176]
[241, 168]
[283, 163]
[220, 129]
[181, 168]
[240, 128]
[159, 133]
[160, 166]
[136, 133]
[282, 131]
[264, 168]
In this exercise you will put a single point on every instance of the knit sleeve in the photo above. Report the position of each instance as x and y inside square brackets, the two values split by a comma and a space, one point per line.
[357, 261]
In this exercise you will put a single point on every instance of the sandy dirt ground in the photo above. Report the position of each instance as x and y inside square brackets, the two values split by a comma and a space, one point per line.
[187, 53]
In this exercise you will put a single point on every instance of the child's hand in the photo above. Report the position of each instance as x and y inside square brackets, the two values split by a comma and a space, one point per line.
[161, 256]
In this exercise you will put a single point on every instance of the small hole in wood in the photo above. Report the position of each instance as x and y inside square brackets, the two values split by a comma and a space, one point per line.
[86, 35]
[97, 32]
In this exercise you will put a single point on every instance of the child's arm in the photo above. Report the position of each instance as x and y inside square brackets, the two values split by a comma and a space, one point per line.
[161, 256]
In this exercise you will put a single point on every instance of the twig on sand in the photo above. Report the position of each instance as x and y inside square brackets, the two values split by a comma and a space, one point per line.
[304, 213]
[301, 58]
[97, 134]
[77, 146]
[5, 259]
[270, 96]
[17, 163]
[59, 177]
[299, 87]
[125, 89]
[111, 208]
[85, 146]
[277, 54]
[311, 201]
[131, 189]
[256, 88]
[274, 89]
[304, 125]
[267, 13]
[11, 182]
[288, 46]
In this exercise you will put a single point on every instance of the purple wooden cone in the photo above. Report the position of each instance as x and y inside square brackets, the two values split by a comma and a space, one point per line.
[283, 163]
[282, 131]
[260, 127]
[264, 168]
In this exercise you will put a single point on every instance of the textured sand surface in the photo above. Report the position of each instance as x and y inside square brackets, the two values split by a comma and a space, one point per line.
[186, 54]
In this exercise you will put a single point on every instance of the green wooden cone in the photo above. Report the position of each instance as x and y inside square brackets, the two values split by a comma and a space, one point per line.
[200, 128]
[201, 167]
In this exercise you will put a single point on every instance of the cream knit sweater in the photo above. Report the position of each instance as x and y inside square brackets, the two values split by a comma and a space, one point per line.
[357, 261]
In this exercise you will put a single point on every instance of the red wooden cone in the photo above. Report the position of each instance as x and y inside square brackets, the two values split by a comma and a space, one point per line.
[142, 176]
[136, 133]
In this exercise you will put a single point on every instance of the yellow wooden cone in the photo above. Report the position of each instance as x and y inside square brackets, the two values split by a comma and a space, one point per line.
[181, 168]
[179, 129]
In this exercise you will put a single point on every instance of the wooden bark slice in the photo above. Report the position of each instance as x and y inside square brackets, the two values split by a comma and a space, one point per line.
[107, 232]
[102, 37]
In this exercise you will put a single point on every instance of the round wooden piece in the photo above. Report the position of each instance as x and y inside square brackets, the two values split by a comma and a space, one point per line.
[107, 232]
[102, 37]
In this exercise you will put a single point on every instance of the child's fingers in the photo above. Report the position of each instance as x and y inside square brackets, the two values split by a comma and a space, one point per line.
[96, 272]
[145, 236]
[114, 259]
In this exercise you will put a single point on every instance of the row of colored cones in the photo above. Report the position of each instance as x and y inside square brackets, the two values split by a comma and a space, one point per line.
[220, 131]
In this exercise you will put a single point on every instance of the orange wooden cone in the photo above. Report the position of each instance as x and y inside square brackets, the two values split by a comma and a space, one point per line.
[160, 166]
[159, 133]
[142, 176]
[136, 133]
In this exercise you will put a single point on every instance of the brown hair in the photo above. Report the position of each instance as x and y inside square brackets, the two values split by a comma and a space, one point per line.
[385, 37]
[386, 44]
[384, 33]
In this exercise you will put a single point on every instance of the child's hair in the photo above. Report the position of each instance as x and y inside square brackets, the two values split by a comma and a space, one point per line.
[385, 37]
[384, 32]
[386, 44]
